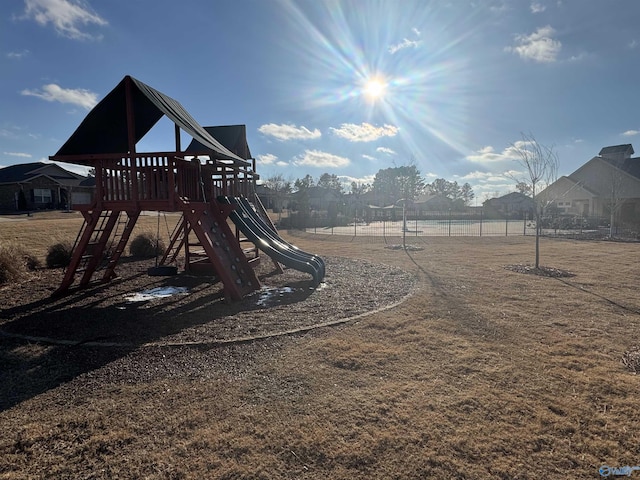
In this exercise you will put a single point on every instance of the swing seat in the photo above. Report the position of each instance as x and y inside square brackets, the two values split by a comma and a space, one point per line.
[162, 271]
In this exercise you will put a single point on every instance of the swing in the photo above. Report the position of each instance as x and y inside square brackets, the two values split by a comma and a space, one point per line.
[161, 270]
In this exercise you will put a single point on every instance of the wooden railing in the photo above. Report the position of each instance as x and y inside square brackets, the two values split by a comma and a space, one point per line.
[153, 181]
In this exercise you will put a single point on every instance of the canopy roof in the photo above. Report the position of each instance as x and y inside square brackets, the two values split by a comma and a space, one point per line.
[232, 137]
[105, 129]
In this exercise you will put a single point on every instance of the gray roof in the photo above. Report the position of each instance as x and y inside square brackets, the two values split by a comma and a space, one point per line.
[628, 165]
[617, 150]
[24, 172]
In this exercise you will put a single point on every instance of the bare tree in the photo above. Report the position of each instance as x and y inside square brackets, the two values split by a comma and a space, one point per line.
[540, 164]
[281, 188]
[617, 196]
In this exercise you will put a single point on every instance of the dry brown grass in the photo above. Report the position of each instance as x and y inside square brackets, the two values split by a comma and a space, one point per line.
[485, 373]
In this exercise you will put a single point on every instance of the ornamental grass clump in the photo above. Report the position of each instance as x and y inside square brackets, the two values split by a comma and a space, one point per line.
[146, 245]
[59, 255]
[14, 263]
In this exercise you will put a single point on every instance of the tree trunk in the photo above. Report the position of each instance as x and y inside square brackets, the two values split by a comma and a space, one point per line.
[538, 228]
[611, 221]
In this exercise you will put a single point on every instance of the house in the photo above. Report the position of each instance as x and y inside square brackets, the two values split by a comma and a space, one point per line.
[607, 184]
[272, 199]
[316, 199]
[431, 203]
[39, 185]
[514, 204]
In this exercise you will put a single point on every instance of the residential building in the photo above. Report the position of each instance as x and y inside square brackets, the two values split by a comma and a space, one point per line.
[514, 204]
[39, 185]
[608, 183]
[315, 199]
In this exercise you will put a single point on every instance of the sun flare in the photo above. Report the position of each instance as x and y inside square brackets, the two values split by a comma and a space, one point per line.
[374, 89]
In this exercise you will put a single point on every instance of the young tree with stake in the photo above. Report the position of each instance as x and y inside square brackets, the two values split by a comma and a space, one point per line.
[540, 164]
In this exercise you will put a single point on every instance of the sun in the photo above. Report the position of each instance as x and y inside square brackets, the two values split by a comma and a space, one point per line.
[374, 89]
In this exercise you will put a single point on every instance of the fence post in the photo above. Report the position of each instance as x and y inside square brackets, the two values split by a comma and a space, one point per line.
[481, 212]
[581, 223]
[449, 222]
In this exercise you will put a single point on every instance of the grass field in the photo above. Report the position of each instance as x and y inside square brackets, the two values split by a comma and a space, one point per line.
[483, 373]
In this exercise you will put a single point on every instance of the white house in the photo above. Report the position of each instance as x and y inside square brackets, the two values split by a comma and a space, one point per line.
[609, 181]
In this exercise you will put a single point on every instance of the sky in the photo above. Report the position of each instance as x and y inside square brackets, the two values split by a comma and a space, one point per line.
[340, 87]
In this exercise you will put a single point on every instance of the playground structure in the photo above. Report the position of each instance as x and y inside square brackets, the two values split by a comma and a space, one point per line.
[206, 182]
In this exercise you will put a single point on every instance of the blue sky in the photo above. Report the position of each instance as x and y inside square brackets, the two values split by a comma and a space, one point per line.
[458, 82]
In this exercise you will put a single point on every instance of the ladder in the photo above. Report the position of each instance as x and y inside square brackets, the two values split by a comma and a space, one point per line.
[90, 248]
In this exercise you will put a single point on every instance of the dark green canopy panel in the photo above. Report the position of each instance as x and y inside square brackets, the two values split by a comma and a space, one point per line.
[104, 129]
[232, 137]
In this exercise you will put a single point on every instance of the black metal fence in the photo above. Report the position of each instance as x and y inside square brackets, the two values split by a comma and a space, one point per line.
[453, 224]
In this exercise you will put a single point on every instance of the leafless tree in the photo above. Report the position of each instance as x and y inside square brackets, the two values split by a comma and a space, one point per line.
[540, 165]
[281, 187]
[617, 196]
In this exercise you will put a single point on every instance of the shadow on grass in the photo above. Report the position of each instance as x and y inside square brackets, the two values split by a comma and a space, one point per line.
[50, 341]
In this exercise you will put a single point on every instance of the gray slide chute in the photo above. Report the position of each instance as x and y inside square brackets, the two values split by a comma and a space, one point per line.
[267, 239]
[268, 229]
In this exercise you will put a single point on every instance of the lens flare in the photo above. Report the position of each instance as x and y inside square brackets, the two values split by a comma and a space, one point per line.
[374, 89]
[412, 73]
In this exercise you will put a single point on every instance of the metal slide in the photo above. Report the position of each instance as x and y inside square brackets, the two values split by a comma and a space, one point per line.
[267, 240]
[269, 229]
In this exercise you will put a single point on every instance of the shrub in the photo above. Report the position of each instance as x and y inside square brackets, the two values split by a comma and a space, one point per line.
[14, 262]
[31, 262]
[59, 255]
[146, 245]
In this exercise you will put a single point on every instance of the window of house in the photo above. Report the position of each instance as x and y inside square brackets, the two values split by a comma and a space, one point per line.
[42, 195]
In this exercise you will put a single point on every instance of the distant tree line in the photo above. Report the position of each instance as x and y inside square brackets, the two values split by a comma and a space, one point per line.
[390, 186]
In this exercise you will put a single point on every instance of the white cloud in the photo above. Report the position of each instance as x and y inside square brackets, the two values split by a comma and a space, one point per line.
[631, 133]
[386, 151]
[267, 159]
[539, 46]
[537, 7]
[17, 154]
[270, 159]
[364, 132]
[7, 133]
[18, 55]
[489, 155]
[348, 180]
[580, 56]
[405, 43]
[500, 8]
[55, 93]
[317, 158]
[68, 17]
[479, 176]
[368, 157]
[289, 132]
